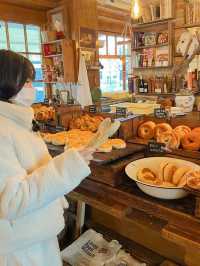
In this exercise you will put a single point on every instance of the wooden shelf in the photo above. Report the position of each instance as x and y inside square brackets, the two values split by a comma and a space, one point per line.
[156, 94]
[150, 46]
[52, 42]
[186, 26]
[53, 55]
[153, 67]
[152, 23]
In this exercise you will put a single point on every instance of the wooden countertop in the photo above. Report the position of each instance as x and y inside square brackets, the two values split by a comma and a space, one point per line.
[174, 220]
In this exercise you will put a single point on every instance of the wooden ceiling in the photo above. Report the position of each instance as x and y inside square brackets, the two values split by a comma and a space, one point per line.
[33, 4]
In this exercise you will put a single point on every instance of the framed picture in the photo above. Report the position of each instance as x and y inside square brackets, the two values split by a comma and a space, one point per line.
[87, 38]
[58, 19]
[89, 57]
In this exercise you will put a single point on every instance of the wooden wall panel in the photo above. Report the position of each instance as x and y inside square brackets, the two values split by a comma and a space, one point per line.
[13, 13]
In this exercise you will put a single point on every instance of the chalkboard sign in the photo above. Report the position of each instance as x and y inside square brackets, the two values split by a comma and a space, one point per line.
[160, 113]
[105, 109]
[92, 109]
[121, 111]
[155, 147]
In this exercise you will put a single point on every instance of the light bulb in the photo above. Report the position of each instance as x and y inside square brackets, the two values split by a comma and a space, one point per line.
[135, 9]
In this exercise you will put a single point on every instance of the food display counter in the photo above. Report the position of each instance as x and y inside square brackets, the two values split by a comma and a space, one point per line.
[166, 230]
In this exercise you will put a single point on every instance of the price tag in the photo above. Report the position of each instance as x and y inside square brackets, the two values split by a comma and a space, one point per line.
[121, 111]
[155, 147]
[92, 109]
[160, 113]
[106, 109]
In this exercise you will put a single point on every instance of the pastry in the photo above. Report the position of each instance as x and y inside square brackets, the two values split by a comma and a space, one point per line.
[106, 147]
[182, 130]
[170, 139]
[179, 175]
[191, 141]
[146, 175]
[169, 171]
[86, 122]
[59, 140]
[146, 130]
[162, 128]
[196, 130]
[166, 171]
[166, 184]
[118, 144]
[48, 137]
[193, 179]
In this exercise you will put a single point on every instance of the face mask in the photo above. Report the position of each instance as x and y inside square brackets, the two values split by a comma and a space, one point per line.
[26, 96]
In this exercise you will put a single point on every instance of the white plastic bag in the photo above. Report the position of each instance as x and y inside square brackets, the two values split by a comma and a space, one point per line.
[124, 259]
[91, 249]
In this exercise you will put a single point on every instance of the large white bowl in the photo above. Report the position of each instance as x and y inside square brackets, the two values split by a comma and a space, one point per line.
[156, 191]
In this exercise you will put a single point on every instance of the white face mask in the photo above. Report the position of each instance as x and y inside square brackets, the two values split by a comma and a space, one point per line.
[26, 96]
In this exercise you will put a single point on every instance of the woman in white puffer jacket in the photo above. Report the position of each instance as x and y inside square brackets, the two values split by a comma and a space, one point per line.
[32, 184]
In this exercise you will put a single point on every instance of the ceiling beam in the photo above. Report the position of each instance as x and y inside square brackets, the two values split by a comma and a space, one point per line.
[35, 4]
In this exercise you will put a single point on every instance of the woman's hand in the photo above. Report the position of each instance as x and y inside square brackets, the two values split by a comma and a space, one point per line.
[87, 154]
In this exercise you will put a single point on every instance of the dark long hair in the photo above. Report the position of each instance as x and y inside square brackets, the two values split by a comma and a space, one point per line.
[15, 70]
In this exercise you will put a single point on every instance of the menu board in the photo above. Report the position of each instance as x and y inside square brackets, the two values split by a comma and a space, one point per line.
[155, 147]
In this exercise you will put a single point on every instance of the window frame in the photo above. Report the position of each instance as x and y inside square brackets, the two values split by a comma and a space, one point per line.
[26, 53]
[116, 55]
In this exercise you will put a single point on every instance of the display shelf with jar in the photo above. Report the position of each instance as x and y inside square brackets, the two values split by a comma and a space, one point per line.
[152, 57]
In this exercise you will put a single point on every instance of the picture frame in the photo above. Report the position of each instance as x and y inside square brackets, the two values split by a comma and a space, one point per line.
[59, 15]
[87, 38]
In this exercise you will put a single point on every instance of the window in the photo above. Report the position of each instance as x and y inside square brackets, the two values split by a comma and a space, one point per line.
[115, 57]
[25, 39]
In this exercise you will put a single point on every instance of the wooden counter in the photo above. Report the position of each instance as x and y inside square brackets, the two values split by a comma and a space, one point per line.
[169, 228]
[172, 226]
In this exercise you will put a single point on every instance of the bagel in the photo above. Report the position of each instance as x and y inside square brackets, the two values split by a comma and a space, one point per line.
[179, 175]
[170, 139]
[146, 130]
[191, 141]
[193, 179]
[118, 143]
[106, 147]
[167, 184]
[59, 141]
[196, 130]
[147, 176]
[166, 171]
[162, 128]
[169, 171]
[182, 130]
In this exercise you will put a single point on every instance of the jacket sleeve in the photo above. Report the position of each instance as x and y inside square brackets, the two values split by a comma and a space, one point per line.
[21, 193]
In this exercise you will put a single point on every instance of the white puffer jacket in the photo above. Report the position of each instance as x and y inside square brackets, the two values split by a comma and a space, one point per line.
[31, 187]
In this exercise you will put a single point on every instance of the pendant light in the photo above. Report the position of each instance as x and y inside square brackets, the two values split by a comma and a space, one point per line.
[135, 9]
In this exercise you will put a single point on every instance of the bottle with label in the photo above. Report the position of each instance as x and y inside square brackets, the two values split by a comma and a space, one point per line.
[141, 85]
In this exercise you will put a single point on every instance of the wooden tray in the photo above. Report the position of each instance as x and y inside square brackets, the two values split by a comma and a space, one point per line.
[106, 158]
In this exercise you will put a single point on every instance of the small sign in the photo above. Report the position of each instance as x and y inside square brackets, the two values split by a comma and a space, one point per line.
[121, 111]
[92, 109]
[105, 109]
[155, 147]
[160, 113]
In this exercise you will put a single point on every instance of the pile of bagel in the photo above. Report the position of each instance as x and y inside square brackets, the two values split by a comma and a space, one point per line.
[44, 113]
[174, 138]
[169, 175]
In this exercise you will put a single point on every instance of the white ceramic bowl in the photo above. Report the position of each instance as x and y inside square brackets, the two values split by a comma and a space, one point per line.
[153, 163]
